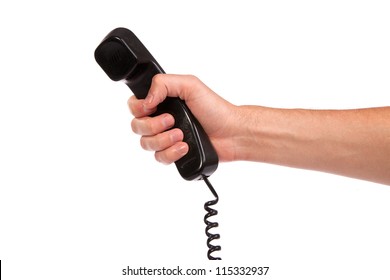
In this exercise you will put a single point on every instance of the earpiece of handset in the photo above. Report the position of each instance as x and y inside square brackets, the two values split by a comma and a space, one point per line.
[124, 58]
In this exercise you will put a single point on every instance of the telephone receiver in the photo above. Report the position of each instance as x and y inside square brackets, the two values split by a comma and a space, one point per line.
[124, 58]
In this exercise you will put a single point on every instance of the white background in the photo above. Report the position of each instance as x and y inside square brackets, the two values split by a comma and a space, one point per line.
[79, 198]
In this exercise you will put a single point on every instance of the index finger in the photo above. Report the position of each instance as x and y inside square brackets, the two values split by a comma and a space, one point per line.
[137, 107]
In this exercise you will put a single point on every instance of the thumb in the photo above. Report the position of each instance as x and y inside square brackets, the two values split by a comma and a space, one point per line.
[164, 85]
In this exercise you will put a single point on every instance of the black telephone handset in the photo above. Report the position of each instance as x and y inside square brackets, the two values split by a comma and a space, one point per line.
[124, 58]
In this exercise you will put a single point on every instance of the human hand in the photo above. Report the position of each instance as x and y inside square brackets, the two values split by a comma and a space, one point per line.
[333, 141]
[215, 114]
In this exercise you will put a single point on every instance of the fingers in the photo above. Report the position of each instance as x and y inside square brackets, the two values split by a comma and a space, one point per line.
[157, 137]
[172, 154]
[148, 126]
[162, 140]
[137, 108]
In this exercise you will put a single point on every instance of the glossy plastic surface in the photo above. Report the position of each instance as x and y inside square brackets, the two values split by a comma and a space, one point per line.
[124, 58]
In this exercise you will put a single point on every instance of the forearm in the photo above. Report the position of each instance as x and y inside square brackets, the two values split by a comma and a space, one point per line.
[354, 143]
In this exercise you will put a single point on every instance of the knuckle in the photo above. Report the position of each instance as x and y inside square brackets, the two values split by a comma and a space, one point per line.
[144, 126]
[193, 79]
[160, 157]
[150, 126]
[158, 78]
[144, 143]
[132, 104]
[134, 126]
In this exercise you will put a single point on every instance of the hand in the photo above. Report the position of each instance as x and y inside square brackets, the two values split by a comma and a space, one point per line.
[353, 143]
[213, 112]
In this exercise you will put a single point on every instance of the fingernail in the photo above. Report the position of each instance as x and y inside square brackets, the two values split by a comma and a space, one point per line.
[168, 121]
[176, 136]
[181, 149]
[146, 109]
[149, 98]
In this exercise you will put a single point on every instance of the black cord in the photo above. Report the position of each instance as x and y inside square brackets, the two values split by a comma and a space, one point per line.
[209, 225]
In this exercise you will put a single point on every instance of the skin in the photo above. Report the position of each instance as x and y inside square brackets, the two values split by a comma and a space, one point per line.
[353, 143]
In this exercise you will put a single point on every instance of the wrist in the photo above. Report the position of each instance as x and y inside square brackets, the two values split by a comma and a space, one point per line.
[250, 133]
[264, 134]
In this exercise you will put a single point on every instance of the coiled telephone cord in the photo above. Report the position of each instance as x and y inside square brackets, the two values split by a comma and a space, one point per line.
[209, 225]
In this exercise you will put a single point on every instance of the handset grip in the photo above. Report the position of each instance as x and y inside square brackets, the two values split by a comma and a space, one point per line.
[124, 58]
